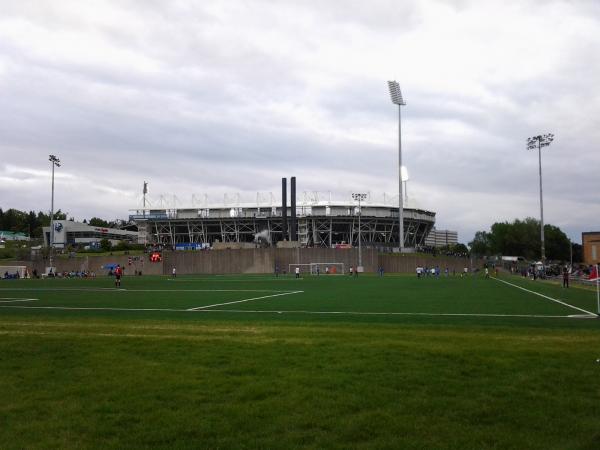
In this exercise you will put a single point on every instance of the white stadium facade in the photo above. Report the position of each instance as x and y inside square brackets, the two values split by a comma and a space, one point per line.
[316, 221]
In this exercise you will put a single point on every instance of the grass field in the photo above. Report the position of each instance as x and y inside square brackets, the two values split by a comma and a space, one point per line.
[318, 362]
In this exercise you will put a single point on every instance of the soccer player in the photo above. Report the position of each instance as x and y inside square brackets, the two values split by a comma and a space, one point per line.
[118, 275]
[565, 277]
[174, 272]
[297, 272]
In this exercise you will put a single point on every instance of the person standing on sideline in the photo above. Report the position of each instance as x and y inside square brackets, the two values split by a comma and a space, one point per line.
[326, 270]
[174, 272]
[487, 272]
[565, 277]
[297, 272]
[318, 271]
[118, 275]
[351, 270]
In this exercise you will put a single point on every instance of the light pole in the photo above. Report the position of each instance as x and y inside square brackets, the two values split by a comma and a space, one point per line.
[397, 99]
[532, 143]
[359, 197]
[55, 162]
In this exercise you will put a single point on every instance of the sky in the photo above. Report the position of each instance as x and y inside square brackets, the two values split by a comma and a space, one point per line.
[222, 99]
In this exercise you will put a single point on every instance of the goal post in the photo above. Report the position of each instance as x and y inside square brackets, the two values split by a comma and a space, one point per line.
[13, 272]
[334, 268]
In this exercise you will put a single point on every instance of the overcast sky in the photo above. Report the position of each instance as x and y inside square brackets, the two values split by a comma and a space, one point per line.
[218, 98]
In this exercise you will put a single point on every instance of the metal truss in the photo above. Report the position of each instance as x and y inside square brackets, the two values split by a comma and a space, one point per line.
[313, 231]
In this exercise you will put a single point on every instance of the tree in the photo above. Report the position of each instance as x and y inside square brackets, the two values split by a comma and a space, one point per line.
[577, 252]
[105, 245]
[557, 243]
[97, 222]
[521, 238]
[481, 244]
[461, 249]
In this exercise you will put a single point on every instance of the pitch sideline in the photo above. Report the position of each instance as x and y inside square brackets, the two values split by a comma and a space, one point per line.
[547, 297]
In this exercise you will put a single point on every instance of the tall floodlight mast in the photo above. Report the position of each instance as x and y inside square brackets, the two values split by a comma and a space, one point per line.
[144, 192]
[538, 142]
[397, 99]
[359, 197]
[55, 162]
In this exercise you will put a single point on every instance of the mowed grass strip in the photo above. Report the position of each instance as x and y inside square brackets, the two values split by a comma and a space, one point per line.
[164, 384]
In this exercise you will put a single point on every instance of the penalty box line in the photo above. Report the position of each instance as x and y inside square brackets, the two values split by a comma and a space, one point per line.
[547, 297]
[199, 308]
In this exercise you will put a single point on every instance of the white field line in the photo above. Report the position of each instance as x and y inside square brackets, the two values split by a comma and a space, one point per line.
[283, 278]
[62, 289]
[136, 290]
[12, 299]
[245, 300]
[90, 308]
[367, 313]
[546, 297]
[350, 313]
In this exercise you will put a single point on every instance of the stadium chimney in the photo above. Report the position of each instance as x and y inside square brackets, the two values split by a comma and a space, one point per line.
[284, 225]
[293, 221]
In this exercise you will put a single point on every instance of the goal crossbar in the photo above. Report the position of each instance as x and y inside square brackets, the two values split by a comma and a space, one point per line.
[315, 268]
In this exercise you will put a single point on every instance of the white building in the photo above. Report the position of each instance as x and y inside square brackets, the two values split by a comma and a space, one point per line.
[441, 238]
[67, 232]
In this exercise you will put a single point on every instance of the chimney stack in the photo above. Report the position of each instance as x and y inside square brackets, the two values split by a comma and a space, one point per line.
[293, 221]
[284, 225]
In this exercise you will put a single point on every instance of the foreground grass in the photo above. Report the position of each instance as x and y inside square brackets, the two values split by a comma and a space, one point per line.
[98, 382]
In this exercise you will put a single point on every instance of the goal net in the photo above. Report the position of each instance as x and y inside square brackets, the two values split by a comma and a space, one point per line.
[336, 268]
[13, 271]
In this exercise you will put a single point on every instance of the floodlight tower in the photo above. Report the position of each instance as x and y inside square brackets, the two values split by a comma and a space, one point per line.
[397, 99]
[532, 143]
[359, 197]
[54, 162]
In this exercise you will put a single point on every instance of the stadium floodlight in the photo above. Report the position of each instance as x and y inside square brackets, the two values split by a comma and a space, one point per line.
[397, 99]
[404, 176]
[359, 197]
[55, 162]
[539, 142]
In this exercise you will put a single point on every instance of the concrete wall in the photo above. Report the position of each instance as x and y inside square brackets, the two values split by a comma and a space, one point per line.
[92, 263]
[257, 260]
[396, 263]
[261, 260]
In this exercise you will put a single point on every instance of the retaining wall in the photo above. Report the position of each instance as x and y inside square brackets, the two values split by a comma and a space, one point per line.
[255, 261]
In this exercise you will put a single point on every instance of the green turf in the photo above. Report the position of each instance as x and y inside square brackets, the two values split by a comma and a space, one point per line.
[336, 362]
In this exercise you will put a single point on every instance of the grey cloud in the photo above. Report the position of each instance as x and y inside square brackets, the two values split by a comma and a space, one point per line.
[233, 109]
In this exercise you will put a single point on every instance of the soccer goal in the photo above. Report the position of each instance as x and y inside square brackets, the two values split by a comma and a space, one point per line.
[13, 271]
[336, 268]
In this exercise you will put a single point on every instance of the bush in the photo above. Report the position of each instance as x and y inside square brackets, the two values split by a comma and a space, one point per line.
[105, 245]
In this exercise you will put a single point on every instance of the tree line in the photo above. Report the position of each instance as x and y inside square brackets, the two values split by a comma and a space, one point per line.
[31, 223]
[522, 238]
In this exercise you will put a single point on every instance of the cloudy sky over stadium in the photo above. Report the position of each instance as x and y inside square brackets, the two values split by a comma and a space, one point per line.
[218, 98]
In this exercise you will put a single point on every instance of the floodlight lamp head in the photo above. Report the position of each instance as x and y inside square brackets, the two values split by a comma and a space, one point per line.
[532, 142]
[359, 196]
[54, 160]
[396, 93]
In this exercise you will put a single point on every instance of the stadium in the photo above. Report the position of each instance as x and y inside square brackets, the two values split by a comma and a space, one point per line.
[316, 221]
